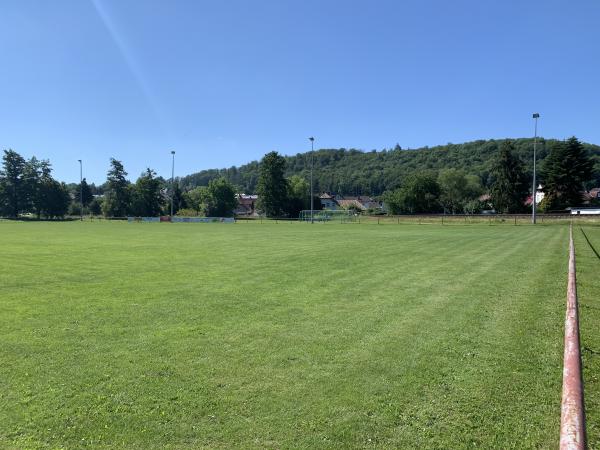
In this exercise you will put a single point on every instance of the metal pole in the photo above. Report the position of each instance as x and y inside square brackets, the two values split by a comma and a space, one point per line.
[312, 164]
[534, 187]
[172, 180]
[80, 189]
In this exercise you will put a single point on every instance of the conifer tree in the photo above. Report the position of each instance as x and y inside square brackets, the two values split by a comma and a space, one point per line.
[272, 185]
[509, 183]
[564, 172]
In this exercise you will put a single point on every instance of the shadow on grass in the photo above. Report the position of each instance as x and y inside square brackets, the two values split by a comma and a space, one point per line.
[589, 243]
[590, 351]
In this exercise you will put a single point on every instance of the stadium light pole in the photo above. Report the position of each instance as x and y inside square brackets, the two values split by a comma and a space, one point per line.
[80, 190]
[536, 116]
[312, 164]
[172, 179]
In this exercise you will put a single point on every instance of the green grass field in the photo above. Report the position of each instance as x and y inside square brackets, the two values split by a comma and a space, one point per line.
[122, 335]
[587, 244]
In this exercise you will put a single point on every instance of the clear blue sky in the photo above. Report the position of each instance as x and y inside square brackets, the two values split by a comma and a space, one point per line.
[222, 82]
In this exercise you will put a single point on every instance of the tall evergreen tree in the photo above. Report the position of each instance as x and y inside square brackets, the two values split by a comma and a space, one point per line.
[13, 184]
[178, 199]
[272, 186]
[84, 192]
[146, 196]
[509, 186]
[117, 194]
[564, 173]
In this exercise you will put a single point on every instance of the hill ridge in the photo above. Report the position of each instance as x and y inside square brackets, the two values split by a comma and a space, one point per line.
[358, 172]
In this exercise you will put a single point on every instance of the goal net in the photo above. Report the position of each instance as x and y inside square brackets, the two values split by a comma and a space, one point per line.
[326, 215]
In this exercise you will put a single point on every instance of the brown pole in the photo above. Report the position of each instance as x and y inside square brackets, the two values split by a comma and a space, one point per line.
[572, 418]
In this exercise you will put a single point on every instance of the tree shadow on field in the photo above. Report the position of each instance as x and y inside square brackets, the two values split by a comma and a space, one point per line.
[589, 243]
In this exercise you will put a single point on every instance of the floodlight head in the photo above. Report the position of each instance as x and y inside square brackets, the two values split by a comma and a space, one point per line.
[79, 160]
[311, 139]
[172, 152]
[536, 115]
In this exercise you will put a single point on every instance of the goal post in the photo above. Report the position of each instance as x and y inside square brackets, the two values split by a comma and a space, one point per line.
[326, 215]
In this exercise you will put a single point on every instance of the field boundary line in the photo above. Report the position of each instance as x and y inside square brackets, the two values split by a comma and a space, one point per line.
[572, 417]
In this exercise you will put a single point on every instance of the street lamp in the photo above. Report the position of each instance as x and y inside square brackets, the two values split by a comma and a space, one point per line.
[80, 189]
[312, 163]
[536, 116]
[172, 177]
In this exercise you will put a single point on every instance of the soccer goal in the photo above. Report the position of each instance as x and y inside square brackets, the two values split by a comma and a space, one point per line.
[326, 215]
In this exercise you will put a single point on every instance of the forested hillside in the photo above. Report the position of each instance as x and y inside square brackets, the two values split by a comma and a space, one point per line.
[354, 172]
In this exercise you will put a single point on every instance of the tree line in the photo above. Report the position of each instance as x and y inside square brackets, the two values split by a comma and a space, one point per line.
[355, 172]
[567, 168]
[152, 195]
[564, 173]
[28, 188]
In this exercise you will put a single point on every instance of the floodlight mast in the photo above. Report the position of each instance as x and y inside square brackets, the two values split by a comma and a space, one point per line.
[312, 164]
[80, 190]
[172, 180]
[536, 116]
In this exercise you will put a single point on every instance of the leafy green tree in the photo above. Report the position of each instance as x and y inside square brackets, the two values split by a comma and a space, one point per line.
[394, 201]
[56, 198]
[13, 184]
[299, 196]
[474, 206]
[197, 199]
[419, 194]
[117, 192]
[509, 187]
[564, 172]
[457, 189]
[221, 198]
[272, 186]
[146, 195]
[36, 176]
[95, 206]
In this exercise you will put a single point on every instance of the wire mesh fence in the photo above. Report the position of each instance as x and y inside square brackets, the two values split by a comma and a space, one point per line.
[359, 219]
[437, 219]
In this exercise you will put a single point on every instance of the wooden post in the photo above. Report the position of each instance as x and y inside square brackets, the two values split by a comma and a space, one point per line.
[572, 418]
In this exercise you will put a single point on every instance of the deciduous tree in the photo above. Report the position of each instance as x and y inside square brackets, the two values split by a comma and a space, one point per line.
[457, 189]
[419, 194]
[221, 198]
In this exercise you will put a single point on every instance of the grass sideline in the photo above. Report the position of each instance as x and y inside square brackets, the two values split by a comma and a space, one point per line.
[222, 336]
[588, 290]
